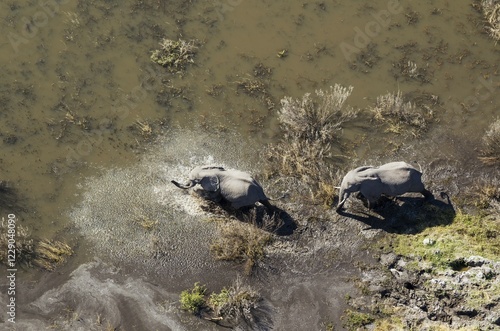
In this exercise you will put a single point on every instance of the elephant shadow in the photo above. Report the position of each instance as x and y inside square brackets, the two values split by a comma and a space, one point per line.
[406, 215]
[276, 221]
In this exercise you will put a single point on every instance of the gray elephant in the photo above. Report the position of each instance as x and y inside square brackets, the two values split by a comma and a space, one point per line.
[391, 179]
[217, 184]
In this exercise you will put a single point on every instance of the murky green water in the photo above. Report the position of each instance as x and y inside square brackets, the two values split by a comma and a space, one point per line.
[77, 80]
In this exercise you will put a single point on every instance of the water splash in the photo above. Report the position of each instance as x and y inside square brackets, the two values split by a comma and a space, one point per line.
[136, 216]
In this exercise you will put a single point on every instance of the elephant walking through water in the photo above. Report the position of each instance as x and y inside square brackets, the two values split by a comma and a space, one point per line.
[216, 183]
[391, 179]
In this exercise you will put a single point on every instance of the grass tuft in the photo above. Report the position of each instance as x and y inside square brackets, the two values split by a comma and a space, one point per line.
[51, 253]
[354, 320]
[490, 153]
[240, 242]
[400, 116]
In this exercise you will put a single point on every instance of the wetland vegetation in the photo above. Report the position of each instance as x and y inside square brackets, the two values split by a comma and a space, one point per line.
[97, 119]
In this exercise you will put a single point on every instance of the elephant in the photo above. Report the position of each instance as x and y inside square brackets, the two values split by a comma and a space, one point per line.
[214, 183]
[391, 179]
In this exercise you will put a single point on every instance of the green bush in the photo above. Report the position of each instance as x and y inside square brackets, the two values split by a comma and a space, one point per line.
[193, 300]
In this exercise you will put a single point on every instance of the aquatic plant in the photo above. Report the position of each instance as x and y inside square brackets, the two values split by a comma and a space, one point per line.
[491, 11]
[490, 153]
[48, 254]
[175, 55]
[399, 115]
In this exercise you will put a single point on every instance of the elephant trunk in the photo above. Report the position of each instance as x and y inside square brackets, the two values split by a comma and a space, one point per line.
[185, 187]
[342, 198]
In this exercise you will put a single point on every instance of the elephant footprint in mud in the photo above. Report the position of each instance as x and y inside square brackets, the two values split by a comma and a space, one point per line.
[391, 179]
[217, 184]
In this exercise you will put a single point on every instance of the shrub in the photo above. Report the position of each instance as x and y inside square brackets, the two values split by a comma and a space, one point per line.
[238, 303]
[398, 114]
[242, 243]
[174, 55]
[232, 306]
[491, 11]
[310, 126]
[193, 300]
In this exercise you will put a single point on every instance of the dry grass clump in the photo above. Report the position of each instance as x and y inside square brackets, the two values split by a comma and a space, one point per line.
[45, 254]
[400, 115]
[310, 126]
[491, 11]
[175, 55]
[24, 245]
[240, 242]
[50, 253]
[490, 153]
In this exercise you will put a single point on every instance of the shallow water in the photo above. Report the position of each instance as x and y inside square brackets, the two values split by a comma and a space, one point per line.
[77, 79]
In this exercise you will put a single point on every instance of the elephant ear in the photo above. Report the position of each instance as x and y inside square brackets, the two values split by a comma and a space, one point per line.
[210, 183]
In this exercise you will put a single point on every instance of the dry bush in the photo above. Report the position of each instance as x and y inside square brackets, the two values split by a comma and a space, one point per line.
[310, 125]
[400, 115]
[175, 55]
[240, 242]
[490, 153]
[51, 253]
[491, 11]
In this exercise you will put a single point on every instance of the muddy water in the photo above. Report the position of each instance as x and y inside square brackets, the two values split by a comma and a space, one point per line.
[77, 79]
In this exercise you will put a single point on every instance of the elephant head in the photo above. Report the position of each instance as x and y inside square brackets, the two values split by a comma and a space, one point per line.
[351, 183]
[204, 181]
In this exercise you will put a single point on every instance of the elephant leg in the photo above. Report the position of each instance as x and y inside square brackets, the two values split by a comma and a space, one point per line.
[427, 194]
[360, 196]
[269, 207]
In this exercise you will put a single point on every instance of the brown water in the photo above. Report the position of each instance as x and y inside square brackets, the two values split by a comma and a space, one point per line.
[76, 78]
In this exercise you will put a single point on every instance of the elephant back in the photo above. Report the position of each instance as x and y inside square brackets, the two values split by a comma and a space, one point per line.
[240, 188]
